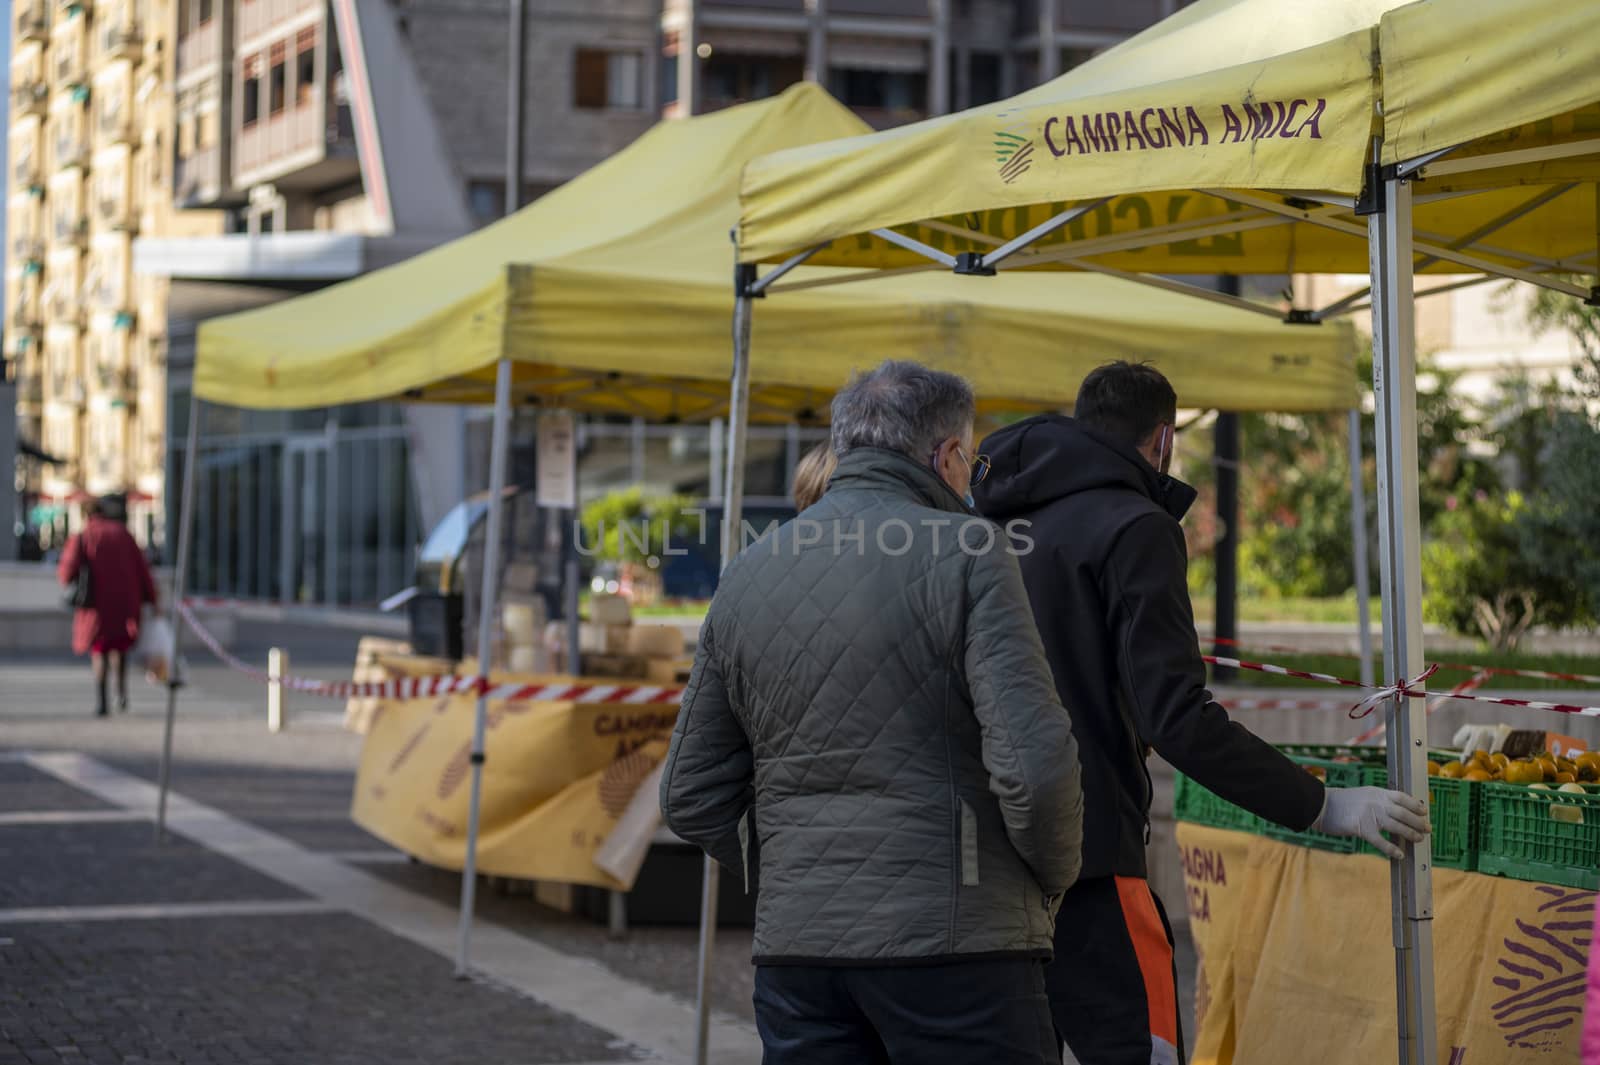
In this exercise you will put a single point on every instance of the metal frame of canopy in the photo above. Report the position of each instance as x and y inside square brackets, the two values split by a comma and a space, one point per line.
[1383, 215]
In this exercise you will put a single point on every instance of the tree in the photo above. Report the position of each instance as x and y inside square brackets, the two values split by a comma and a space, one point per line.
[1561, 529]
[1297, 538]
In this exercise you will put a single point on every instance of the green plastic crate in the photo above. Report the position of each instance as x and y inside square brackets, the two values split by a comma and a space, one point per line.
[1452, 813]
[1199, 805]
[1519, 838]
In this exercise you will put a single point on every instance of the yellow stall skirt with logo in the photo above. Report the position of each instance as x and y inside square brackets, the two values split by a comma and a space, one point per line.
[556, 778]
[1297, 958]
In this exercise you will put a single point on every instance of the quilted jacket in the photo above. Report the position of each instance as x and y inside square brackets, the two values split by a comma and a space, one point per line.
[870, 694]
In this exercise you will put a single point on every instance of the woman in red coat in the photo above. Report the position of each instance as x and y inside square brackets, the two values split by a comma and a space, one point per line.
[120, 584]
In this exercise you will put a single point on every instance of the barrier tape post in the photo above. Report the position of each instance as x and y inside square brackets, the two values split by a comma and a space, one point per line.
[277, 669]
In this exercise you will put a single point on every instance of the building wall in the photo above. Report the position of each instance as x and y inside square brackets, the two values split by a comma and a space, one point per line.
[79, 346]
[466, 38]
[1481, 333]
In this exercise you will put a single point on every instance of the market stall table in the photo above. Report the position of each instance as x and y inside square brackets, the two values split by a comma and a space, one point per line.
[1296, 964]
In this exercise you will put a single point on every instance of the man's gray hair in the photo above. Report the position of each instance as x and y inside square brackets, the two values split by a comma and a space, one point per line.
[901, 406]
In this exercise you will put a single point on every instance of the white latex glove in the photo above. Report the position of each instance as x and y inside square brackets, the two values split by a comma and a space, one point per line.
[1369, 813]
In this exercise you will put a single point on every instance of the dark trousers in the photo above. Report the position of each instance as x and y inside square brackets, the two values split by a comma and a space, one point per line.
[961, 1013]
[1113, 986]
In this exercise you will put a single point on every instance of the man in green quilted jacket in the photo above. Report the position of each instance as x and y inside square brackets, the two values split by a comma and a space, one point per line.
[872, 731]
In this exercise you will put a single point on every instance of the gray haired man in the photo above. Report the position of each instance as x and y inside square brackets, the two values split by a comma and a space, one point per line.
[871, 724]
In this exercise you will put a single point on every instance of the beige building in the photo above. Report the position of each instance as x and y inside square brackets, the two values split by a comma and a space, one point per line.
[90, 144]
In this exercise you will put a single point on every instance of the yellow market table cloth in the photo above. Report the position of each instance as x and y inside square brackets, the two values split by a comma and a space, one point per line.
[1297, 958]
[557, 777]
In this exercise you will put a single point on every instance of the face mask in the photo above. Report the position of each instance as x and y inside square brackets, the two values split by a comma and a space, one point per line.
[969, 501]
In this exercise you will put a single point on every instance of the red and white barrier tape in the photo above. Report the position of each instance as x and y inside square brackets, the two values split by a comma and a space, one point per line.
[426, 687]
[1472, 683]
[1411, 688]
[1493, 671]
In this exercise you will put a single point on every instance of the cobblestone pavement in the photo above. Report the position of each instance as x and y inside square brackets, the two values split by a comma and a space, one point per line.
[327, 989]
[113, 949]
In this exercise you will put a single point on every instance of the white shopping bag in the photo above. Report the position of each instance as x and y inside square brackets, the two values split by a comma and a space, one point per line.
[153, 652]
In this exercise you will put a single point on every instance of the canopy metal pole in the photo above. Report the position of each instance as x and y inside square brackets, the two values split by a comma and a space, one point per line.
[732, 527]
[1400, 557]
[180, 584]
[1358, 526]
[490, 586]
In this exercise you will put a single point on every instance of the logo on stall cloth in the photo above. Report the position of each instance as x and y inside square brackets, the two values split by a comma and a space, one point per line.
[1013, 152]
[1153, 129]
[1544, 967]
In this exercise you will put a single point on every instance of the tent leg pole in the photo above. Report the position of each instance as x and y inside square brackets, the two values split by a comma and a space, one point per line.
[180, 583]
[486, 613]
[1395, 390]
[732, 525]
[1358, 527]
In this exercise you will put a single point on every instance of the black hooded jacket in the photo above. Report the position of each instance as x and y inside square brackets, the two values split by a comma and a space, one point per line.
[1106, 576]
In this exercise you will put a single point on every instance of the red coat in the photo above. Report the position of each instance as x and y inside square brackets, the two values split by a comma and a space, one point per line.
[122, 585]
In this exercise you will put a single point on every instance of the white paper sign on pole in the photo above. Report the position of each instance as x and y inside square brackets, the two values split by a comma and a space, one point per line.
[558, 459]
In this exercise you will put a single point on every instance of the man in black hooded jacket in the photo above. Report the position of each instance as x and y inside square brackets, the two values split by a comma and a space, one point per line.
[1105, 565]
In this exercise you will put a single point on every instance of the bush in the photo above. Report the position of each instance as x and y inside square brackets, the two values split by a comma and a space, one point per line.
[629, 527]
[1478, 579]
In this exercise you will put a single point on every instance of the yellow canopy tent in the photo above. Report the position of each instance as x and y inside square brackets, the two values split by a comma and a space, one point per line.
[1254, 136]
[611, 295]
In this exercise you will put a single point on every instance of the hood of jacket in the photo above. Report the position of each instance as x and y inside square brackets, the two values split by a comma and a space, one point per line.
[1050, 456]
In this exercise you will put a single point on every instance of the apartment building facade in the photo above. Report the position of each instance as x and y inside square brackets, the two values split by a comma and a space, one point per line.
[87, 171]
[176, 159]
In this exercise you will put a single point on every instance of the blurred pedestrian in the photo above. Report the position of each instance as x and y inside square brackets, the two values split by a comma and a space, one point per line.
[870, 730]
[812, 473]
[1108, 582]
[106, 562]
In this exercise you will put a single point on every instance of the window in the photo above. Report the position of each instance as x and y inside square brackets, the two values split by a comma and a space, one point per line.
[305, 69]
[669, 79]
[487, 200]
[608, 80]
[279, 87]
[252, 91]
[206, 7]
[1076, 57]
[984, 71]
[881, 90]
[728, 78]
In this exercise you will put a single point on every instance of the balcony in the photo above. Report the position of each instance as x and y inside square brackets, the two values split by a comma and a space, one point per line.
[27, 152]
[202, 48]
[23, 313]
[31, 97]
[31, 22]
[108, 278]
[115, 127]
[30, 391]
[69, 61]
[26, 246]
[197, 179]
[113, 211]
[60, 295]
[306, 145]
[69, 230]
[71, 151]
[120, 38]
